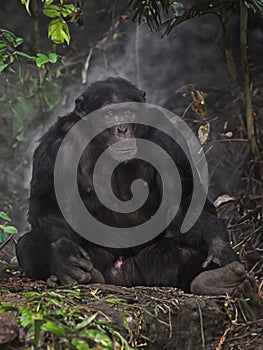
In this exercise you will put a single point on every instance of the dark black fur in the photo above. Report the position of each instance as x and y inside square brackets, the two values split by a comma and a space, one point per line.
[53, 248]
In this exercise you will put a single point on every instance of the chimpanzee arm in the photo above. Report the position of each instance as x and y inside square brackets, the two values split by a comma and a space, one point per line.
[52, 248]
[43, 211]
[209, 234]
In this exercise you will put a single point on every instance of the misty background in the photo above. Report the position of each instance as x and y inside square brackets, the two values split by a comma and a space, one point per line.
[193, 53]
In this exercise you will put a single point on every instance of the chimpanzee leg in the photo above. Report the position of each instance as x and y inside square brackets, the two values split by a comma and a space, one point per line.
[64, 259]
[165, 263]
[162, 263]
[32, 255]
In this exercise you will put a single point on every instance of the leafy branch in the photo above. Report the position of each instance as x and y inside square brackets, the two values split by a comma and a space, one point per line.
[61, 13]
[6, 230]
[8, 52]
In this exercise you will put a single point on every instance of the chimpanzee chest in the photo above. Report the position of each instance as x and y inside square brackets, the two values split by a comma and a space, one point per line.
[113, 217]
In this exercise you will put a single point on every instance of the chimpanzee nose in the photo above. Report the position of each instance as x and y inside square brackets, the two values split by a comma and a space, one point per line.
[122, 128]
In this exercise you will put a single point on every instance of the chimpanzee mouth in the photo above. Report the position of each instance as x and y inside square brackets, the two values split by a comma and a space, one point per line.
[123, 153]
[124, 150]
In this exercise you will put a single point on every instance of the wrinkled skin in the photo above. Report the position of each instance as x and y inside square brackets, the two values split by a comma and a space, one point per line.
[231, 279]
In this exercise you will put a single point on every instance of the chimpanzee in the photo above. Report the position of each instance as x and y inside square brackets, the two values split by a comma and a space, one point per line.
[53, 251]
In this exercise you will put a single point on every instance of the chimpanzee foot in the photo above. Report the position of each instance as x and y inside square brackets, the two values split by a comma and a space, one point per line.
[231, 279]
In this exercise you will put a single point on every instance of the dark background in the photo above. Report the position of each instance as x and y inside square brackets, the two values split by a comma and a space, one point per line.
[193, 53]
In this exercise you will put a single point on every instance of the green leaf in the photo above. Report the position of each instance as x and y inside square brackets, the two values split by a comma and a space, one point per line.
[11, 37]
[23, 112]
[98, 337]
[26, 317]
[26, 3]
[3, 46]
[176, 4]
[86, 322]
[3, 66]
[48, 2]
[53, 57]
[17, 125]
[10, 229]
[21, 74]
[115, 300]
[67, 10]
[11, 59]
[5, 305]
[52, 11]
[37, 327]
[50, 326]
[18, 41]
[80, 344]
[41, 59]
[20, 137]
[33, 86]
[23, 54]
[31, 294]
[3, 237]
[55, 295]
[51, 93]
[58, 31]
[4, 216]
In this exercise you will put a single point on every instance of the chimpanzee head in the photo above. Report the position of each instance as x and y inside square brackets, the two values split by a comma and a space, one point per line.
[105, 92]
[108, 93]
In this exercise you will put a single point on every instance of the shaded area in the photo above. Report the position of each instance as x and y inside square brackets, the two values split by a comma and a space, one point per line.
[152, 318]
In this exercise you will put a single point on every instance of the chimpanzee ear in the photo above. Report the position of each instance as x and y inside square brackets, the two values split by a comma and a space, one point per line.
[79, 107]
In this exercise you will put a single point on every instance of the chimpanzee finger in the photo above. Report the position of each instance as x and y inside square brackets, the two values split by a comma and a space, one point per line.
[52, 281]
[83, 263]
[66, 279]
[79, 275]
[84, 254]
[211, 259]
[96, 276]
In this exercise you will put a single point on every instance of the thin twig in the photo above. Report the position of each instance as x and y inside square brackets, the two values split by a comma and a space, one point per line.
[228, 50]
[201, 324]
[2, 245]
[223, 338]
[246, 82]
[86, 67]
[137, 56]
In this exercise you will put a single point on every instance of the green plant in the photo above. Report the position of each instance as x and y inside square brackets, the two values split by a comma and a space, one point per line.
[9, 53]
[8, 49]
[31, 75]
[5, 228]
[64, 319]
[61, 13]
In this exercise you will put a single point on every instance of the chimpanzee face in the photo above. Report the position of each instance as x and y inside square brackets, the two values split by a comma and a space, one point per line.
[122, 131]
[113, 97]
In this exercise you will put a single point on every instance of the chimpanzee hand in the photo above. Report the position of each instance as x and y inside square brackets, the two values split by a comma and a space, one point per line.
[70, 263]
[231, 279]
[220, 253]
